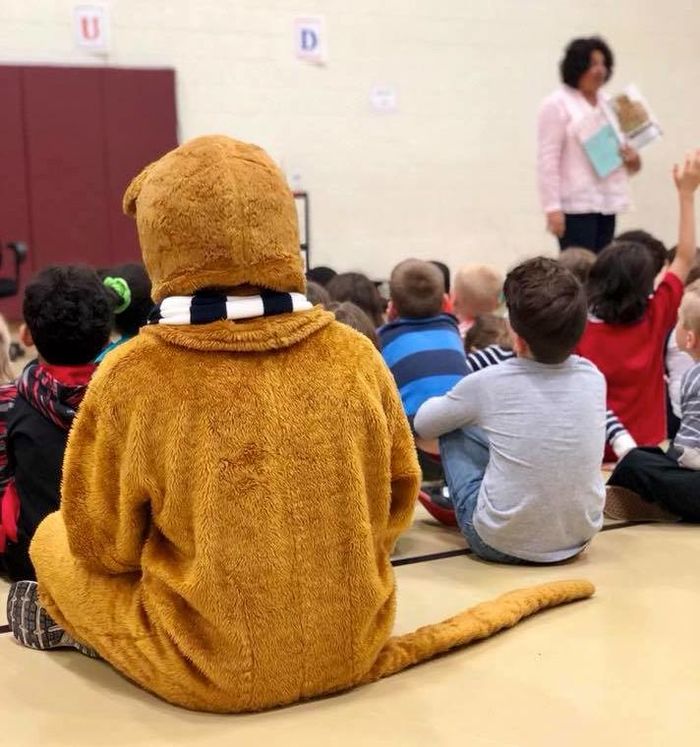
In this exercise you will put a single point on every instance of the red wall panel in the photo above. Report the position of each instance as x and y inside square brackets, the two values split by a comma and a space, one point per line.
[67, 172]
[71, 139]
[14, 202]
[140, 125]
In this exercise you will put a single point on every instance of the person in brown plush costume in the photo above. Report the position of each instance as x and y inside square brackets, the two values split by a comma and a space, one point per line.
[238, 474]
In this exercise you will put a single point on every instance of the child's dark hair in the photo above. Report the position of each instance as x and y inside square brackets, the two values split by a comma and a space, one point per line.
[487, 329]
[69, 314]
[579, 261]
[577, 59]
[620, 283]
[445, 270]
[321, 275]
[352, 315]
[658, 251]
[360, 290]
[136, 303]
[694, 273]
[417, 289]
[546, 307]
[317, 294]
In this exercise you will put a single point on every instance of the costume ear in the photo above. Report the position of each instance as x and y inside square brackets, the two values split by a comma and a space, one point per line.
[134, 190]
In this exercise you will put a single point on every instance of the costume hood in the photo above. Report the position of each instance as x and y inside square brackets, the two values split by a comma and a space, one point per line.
[216, 213]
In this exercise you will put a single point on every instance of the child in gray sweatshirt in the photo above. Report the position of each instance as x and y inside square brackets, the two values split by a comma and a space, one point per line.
[522, 442]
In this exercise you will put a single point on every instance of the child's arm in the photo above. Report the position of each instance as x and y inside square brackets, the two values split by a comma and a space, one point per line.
[619, 438]
[457, 408]
[687, 178]
[489, 356]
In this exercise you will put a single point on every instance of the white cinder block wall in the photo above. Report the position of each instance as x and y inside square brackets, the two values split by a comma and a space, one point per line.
[450, 175]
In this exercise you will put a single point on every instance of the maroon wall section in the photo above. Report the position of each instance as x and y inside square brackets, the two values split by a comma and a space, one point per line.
[143, 102]
[14, 197]
[71, 139]
[63, 115]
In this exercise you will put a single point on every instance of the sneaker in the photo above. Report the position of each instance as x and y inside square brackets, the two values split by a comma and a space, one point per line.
[622, 504]
[32, 625]
[438, 505]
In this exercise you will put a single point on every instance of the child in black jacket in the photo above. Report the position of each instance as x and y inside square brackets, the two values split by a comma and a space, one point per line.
[68, 316]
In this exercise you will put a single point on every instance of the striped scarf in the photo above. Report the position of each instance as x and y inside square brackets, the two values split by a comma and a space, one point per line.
[206, 307]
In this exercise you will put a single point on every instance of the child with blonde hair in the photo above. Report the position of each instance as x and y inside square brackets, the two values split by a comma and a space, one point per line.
[477, 290]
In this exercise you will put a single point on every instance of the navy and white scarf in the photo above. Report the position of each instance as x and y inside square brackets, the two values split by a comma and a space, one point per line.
[206, 307]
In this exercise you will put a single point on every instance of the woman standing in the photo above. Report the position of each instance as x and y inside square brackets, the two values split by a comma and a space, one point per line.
[580, 206]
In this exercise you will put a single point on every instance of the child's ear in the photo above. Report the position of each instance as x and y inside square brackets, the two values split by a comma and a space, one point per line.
[446, 304]
[391, 315]
[25, 336]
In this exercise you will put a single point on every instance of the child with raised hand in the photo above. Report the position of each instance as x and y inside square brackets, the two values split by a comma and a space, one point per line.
[629, 323]
[648, 479]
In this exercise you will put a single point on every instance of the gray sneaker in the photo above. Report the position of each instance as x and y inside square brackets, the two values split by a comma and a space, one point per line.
[32, 625]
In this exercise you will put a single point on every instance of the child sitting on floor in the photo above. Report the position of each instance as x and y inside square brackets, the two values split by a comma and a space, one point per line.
[477, 290]
[130, 287]
[626, 334]
[519, 495]
[579, 261]
[670, 479]
[421, 344]
[352, 315]
[68, 316]
[487, 330]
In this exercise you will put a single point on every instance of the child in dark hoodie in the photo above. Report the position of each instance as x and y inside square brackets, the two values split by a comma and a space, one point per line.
[68, 315]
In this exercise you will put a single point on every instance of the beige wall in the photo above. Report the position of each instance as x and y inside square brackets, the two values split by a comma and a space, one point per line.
[451, 174]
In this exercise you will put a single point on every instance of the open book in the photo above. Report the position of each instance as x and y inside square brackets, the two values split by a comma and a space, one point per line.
[625, 119]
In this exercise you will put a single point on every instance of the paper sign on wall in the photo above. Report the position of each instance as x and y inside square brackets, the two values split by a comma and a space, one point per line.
[310, 39]
[384, 99]
[92, 27]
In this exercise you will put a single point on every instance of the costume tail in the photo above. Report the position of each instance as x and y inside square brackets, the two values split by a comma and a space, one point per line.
[479, 622]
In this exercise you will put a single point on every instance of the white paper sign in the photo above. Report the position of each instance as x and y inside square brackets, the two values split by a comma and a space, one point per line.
[310, 39]
[384, 99]
[92, 27]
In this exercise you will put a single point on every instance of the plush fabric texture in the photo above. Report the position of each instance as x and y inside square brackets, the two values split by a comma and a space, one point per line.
[233, 491]
[216, 212]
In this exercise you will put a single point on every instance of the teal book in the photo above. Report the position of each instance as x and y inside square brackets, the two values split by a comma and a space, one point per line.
[603, 151]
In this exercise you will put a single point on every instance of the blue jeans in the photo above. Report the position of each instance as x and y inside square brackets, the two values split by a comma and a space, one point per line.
[465, 456]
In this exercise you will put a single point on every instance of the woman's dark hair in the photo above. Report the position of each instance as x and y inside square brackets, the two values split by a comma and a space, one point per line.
[577, 59]
[360, 290]
[620, 283]
[135, 315]
[656, 247]
[546, 307]
[69, 313]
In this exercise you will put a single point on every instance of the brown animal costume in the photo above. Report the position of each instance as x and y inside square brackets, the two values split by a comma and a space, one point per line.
[233, 491]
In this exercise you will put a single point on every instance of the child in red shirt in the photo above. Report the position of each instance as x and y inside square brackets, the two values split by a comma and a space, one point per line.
[629, 322]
